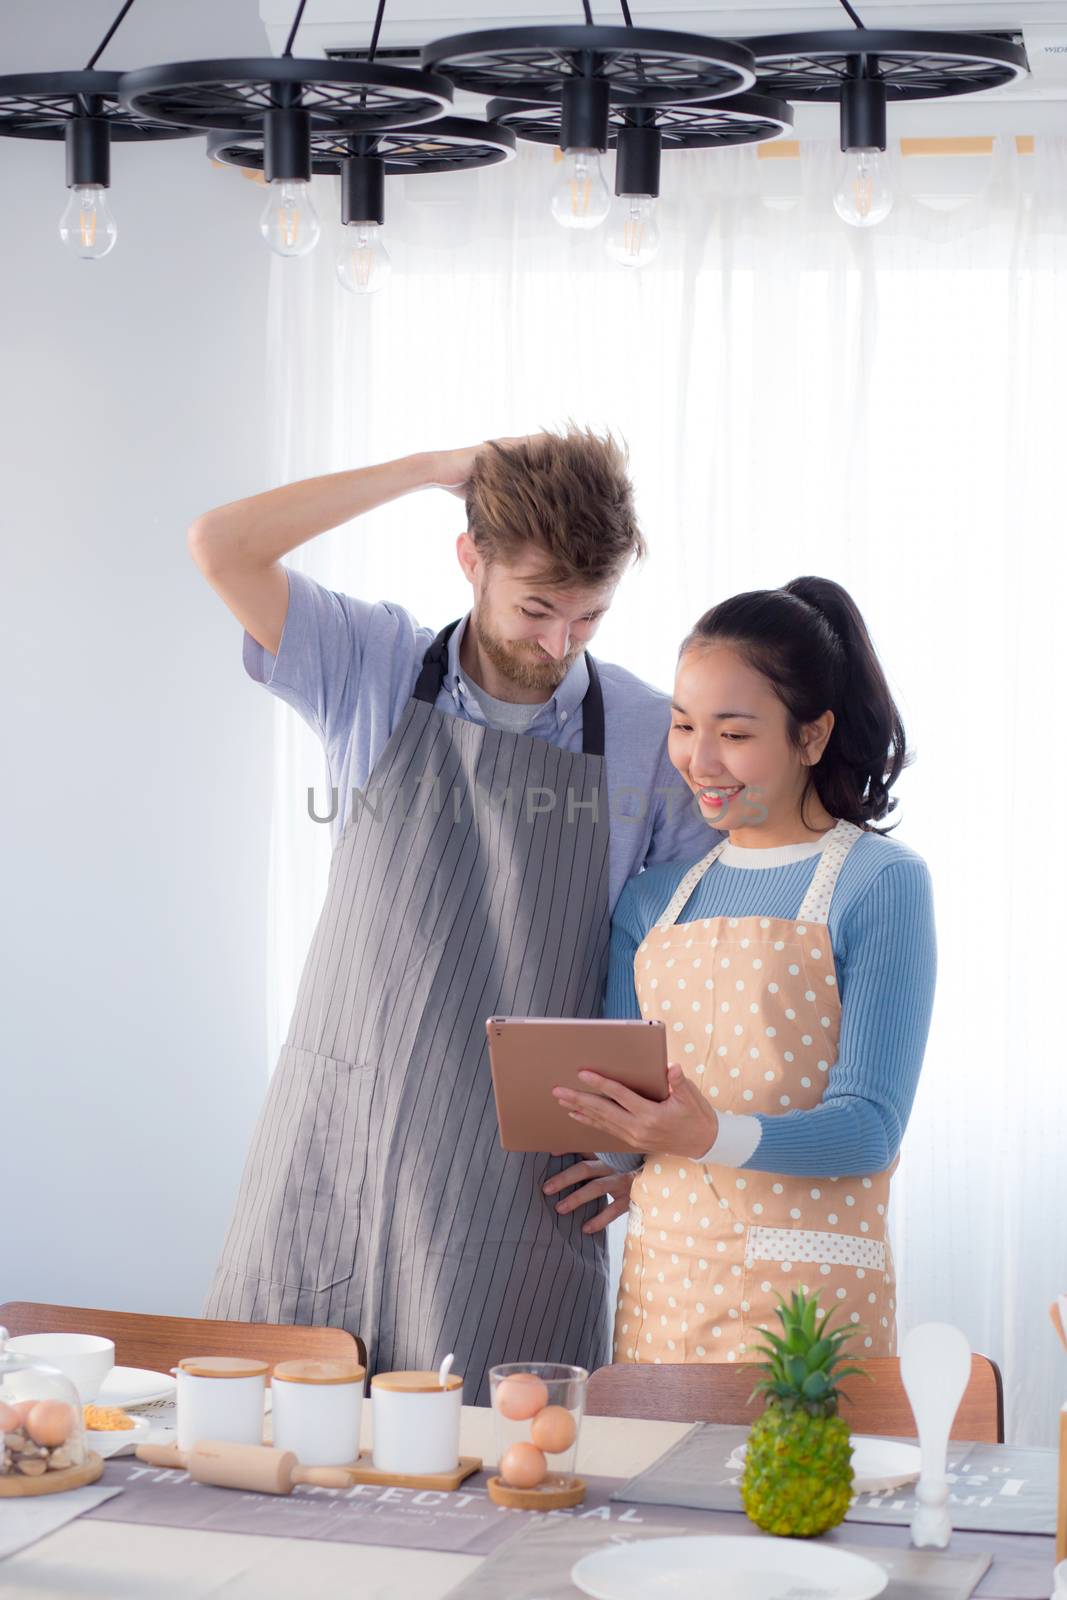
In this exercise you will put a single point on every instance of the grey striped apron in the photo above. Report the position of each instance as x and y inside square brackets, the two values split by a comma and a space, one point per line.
[470, 881]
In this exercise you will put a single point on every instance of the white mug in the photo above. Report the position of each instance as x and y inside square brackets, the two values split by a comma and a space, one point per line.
[316, 1407]
[84, 1358]
[220, 1397]
[416, 1422]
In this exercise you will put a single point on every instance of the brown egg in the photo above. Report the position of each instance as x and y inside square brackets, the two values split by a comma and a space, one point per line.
[553, 1430]
[521, 1397]
[50, 1422]
[523, 1466]
[22, 1409]
[9, 1418]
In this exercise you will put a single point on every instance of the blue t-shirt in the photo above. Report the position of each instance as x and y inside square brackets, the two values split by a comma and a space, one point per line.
[349, 666]
[881, 929]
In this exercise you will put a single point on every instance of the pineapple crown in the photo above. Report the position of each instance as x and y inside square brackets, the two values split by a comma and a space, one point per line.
[804, 1363]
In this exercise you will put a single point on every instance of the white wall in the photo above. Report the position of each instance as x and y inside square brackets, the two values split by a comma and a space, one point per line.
[134, 808]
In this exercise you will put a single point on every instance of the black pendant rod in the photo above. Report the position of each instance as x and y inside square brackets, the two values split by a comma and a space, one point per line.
[106, 40]
[292, 31]
[626, 17]
[376, 30]
[852, 14]
[587, 8]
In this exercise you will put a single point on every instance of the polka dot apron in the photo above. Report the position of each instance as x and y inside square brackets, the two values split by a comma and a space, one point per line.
[753, 1013]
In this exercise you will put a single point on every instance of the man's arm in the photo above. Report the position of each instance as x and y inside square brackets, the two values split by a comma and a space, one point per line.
[239, 547]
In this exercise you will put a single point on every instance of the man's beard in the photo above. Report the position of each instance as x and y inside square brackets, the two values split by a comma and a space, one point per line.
[525, 664]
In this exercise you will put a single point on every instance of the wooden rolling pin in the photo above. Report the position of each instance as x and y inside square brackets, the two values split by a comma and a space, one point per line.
[1058, 1313]
[257, 1467]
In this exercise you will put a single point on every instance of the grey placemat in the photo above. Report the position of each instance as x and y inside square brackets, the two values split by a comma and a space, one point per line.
[993, 1488]
[465, 1522]
[536, 1564]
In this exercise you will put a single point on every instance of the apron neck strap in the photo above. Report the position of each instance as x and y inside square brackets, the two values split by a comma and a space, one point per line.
[593, 712]
[435, 665]
[816, 907]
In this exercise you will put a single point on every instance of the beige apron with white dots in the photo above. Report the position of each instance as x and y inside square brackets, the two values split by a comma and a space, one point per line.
[753, 1014]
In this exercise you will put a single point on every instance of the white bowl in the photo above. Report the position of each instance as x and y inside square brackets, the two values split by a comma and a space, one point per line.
[82, 1357]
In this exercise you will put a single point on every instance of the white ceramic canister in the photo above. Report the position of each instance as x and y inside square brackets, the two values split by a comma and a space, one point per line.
[315, 1410]
[416, 1422]
[220, 1397]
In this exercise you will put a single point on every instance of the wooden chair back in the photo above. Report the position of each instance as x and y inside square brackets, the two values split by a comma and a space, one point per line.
[159, 1343]
[719, 1392]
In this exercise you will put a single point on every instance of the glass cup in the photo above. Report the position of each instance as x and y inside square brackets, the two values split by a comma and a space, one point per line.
[537, 1417]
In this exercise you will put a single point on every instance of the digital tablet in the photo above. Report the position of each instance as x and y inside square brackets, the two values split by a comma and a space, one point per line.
[530, 1056]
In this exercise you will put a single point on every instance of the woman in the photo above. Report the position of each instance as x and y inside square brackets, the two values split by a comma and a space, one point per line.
[794, 969]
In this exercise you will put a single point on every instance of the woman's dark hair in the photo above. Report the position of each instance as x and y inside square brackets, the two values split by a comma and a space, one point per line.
[810, 642]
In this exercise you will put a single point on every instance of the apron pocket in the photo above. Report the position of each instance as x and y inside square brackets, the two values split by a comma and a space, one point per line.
[848, 1271]
[298, 1213]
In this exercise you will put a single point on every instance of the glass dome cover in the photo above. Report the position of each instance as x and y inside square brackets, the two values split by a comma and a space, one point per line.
[42, 1433]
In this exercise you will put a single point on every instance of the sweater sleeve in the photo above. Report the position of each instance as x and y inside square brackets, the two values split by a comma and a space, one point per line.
[620, 991]
[888, 971]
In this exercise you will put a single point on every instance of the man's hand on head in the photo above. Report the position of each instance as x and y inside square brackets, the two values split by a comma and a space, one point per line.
[451, 469]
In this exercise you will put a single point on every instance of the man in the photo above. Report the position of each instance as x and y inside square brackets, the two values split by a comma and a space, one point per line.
[506, 786]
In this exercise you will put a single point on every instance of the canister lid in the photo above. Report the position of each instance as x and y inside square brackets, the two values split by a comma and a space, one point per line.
[415, 1382]
[223, 1367]
[319, 1372]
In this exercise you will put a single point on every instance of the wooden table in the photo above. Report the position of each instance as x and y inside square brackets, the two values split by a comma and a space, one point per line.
[125, 1561]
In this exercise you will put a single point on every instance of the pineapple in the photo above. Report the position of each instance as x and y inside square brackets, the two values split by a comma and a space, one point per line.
[798, 1465]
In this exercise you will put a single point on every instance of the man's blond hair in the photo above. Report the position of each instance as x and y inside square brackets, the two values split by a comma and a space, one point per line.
[563, 498]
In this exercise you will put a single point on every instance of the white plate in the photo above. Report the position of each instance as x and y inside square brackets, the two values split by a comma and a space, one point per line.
[877, 1464]
[134, 1386]
[118, 1441]
[730, 1568]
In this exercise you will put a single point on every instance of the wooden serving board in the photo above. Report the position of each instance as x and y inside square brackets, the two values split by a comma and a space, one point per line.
[12, 1484]
[554, 1494]
[364, 1471]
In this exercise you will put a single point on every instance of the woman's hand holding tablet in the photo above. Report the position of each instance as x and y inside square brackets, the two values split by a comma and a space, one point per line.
[683, 1124]
[532, 1056]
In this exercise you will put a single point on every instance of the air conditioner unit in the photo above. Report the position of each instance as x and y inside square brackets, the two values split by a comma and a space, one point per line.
[1037, 105]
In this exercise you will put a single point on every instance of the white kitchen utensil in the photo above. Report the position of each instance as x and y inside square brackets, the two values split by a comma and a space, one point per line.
[935, 1366]
[877, 1464]
[743, 1568]
[1058, 1313]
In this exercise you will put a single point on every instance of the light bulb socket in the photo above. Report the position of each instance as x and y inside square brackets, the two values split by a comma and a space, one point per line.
[863, 114]
[88, 152]
[637, 161]
[584, 119]
[363, 189]
[287, 145]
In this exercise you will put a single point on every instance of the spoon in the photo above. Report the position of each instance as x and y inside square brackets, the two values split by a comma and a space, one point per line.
[935, 1366]
[445, 1369]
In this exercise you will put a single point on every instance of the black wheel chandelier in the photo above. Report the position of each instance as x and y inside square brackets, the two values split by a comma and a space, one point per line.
[85, 111]
[585, 87]
[363, 162]
[862, 69]
[285, 100]
[639, 135]
[585, 72]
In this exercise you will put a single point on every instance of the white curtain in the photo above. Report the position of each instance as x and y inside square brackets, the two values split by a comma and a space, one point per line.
[882, 408]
